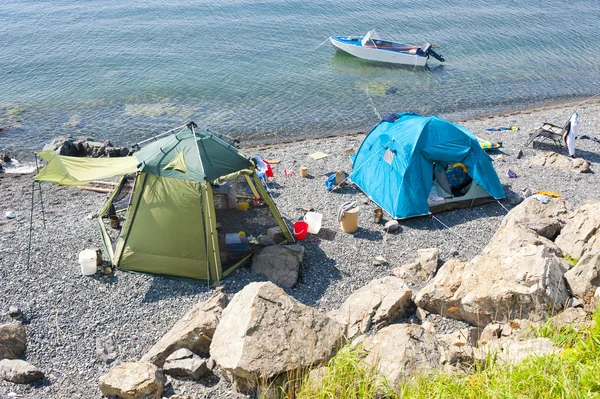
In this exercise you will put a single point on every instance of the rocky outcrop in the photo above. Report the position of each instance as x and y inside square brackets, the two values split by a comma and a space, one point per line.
[185, 363]
[264, 333]
[193, 331]
[458, 347]
[422, 268]
[279, 263]
[546, 220]
[584, 278]
[133, 381]
[84, 147]
[512, 351]
[19, 371]
[556, 160]
[375, 304]
[580, 234]
[519, 274]
[12, 340]
[401, 350]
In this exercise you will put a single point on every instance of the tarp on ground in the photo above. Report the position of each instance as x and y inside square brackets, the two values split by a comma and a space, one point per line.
[77, 170]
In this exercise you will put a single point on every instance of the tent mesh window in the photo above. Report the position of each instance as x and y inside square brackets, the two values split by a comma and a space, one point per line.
[115, 214]
[238, 209]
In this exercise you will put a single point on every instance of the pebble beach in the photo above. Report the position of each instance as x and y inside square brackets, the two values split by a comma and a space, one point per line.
[66, 313]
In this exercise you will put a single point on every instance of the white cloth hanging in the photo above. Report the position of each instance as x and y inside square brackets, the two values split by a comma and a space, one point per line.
[573, 132]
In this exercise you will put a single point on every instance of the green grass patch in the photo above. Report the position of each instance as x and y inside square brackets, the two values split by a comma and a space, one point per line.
[572, 373]
[570, 260]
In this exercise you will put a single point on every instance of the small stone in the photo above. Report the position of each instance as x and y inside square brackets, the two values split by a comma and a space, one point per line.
[453, 251]
[428, 326]
[348, 151]
[421, 314]
[500, 158]
[391, 226]
[307, 208]
[597, 293]
[11, 215]
[575, 303]
[380, 261]
[108, 270]
[514, 198]
[15, 312]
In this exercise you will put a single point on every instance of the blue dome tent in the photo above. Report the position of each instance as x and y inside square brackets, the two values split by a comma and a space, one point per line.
[412, 165]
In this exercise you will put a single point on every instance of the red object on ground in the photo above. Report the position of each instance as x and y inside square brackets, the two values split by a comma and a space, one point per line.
[300, 230]
[269, 172]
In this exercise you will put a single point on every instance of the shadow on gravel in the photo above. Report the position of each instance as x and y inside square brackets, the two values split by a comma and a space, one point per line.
[457, 217]
[371, 235]
[315, 279]
[579, 153]
[165, 287]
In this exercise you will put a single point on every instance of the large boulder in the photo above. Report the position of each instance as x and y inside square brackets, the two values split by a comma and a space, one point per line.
[63, 145]
[547, 220]
[133, 381]
[185, 363]
[401, 350]
[556, 160]
[264, 333]
[519, 274]
[19, 371]
[422, 268]
[279, 263]
[580, 233]
[12, 340]
[375, 304]
[584, 278]
[194, 331]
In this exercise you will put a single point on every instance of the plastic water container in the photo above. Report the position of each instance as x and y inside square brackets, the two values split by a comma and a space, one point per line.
[314, 221]
[87, 261]
[300, 230]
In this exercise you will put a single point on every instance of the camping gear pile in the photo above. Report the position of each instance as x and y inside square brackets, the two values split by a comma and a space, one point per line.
[176, 198]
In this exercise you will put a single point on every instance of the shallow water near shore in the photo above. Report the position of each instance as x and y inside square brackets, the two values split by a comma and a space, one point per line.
[124, 70]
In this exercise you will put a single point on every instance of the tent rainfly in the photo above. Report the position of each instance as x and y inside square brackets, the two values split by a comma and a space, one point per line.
[166, 197]
[412, 165]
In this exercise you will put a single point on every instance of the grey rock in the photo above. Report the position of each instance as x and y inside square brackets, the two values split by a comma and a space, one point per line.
[572, 317]
[584, 278]
[514, 198]
[375, 304]
[193, 331]
[512, 351]
[106, 350]
[579, 235]
[133, 381]
[264, 240]
[279, 263]
[423, 268]
[391, 226]
[185, 363]
[402, 350]
[490, 332]
[12, 340]
[556, 160]
[19, 371]
[62, 145]
[380, 261]
[519, 274]
[265, 333]
[15, 312]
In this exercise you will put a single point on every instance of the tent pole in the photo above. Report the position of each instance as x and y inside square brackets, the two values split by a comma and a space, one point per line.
[37, 168]
[30, 226]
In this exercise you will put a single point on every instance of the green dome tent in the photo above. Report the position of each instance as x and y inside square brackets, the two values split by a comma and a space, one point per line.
[166, 197]
[405, 162]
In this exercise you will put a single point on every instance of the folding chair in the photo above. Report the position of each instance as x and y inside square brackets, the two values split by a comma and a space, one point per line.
[551, 132]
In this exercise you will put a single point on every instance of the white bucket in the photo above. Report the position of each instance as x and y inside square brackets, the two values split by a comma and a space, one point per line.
[87, 261]
[314, 220]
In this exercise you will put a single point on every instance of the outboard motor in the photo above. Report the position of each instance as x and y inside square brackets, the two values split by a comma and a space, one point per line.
[427, 49]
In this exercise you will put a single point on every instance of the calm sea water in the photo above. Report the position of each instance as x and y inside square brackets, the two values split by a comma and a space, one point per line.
[125, 69]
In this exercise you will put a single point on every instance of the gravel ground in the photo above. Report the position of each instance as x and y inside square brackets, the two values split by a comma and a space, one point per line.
[65, 313]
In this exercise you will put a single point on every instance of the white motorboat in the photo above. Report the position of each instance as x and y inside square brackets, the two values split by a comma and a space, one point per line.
[372, 47]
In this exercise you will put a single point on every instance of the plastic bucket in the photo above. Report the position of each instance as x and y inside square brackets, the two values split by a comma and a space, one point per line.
[314, 221]
[349, 223]
[300, 230]
[87, 262]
